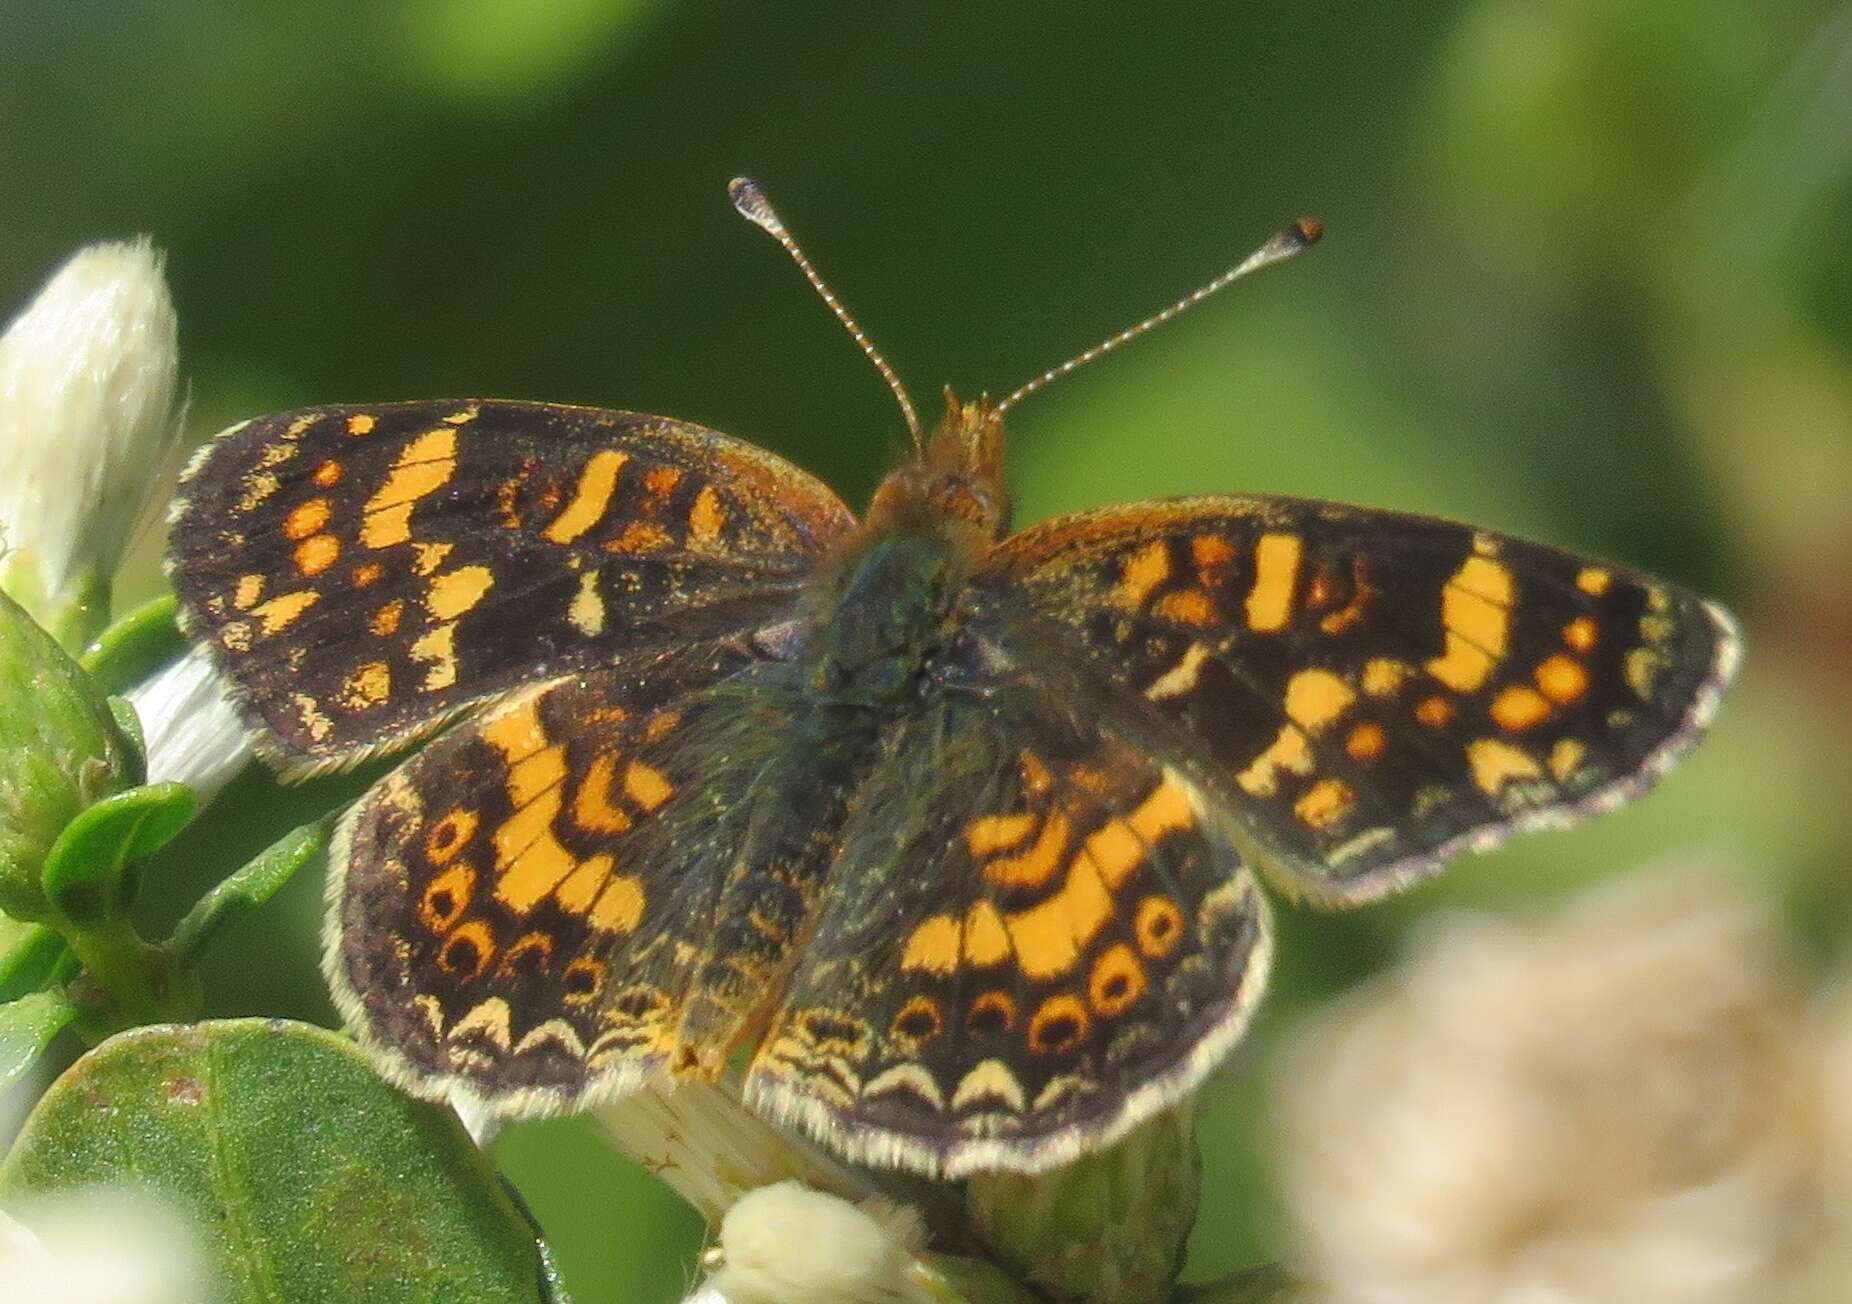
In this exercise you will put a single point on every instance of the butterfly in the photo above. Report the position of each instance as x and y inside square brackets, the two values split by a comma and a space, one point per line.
[953, 833]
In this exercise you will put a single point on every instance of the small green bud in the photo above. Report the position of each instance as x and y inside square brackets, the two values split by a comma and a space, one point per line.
[60, 751]
[1108, 1227]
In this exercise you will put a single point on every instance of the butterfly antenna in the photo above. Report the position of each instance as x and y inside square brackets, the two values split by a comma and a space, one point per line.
[1300, 235]
[757, 209]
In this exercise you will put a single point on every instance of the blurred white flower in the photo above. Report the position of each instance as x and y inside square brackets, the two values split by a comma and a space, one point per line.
[787, 1242]
[88, 426]
[192, 731]
[99, 1247]
[1617, 1103]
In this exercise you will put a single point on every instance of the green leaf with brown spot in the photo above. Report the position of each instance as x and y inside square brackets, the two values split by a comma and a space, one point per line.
[308, 1177]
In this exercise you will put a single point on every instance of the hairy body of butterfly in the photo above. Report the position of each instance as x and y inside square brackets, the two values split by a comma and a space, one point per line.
[953, 830]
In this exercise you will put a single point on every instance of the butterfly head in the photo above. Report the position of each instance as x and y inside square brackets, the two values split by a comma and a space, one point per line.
[954, 480]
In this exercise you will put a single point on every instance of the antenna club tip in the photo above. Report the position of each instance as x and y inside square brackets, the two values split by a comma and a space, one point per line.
[752, 204]
[1309, 230]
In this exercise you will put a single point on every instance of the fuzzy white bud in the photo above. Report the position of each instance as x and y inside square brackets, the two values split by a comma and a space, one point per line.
[88, 426]
[788, 1242]
[192, 731]
[99, 1247]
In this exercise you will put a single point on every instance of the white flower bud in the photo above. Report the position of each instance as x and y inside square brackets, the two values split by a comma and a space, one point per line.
[192, 731]
[787, 1242]
[88, 426]
[99, 1247]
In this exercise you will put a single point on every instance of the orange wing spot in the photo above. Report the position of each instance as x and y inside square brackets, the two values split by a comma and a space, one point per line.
[427, 557]
[385, 621]
[1210, 550]
[1520, 707]
[582, 980]
[586, 611]
[620, 905]
[639, 536]
[1142, 572]
[367, 686]
[991, 1012]
[986, 941]
[367, 574]
[281, 611]
[1566, 757]
[458, 591]
[919, 1020]
[1059, 1025]
[597, 482]
[437, 648]
[1562, 679]
[1276, 575]
[250, 589]
[1035, 777]
[1119, 846]
[708, 517]
[1496, 763]
[1323, 590]
[361, 423]
[328, 474]
[1581, 635]
[1187, 607]
[646, 786]
[1352, 612]
[1366, 741]
[1288, 751]
[306, 518]
[660, 481]
[660, 725]
[580, 888]
[1315, 698]
[1037, 865]
[1117, 981]
[934, 946]
[992, 833]
[446, 898]
[517, 732]
[317, 553]
[1384, 676]
[515, 958]
[1324, 803]
[423, 466]
[533, 862]
[450, 835]
[1158, 926]
[1434, 712]
[467, 951]
[464, 417]
[1475, 608]
[592, 809]
[1181, 678]
[1048, 937]
[1594, 581]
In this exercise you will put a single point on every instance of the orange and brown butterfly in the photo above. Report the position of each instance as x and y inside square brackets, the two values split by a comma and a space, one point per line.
[954, 831]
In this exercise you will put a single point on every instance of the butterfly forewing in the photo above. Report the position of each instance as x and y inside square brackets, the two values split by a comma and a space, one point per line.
[361, 572]
[1034, 937]
[1371, 692]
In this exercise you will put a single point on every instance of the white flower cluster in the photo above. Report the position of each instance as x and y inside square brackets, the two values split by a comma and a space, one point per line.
[1624, 1102]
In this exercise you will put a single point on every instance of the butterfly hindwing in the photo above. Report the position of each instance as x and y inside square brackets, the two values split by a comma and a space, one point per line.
[519, 910]
[1033, 939]
[360, 573]
[1370, 692]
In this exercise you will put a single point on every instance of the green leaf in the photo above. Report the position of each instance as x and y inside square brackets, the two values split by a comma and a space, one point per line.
[60, 750]
[135, 646]
[86, 874]
[246, 889]
[27, 1026]
[309, 1178]
[32, 957]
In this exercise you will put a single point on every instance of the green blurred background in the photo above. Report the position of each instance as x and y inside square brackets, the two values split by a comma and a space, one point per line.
[1586, 278]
